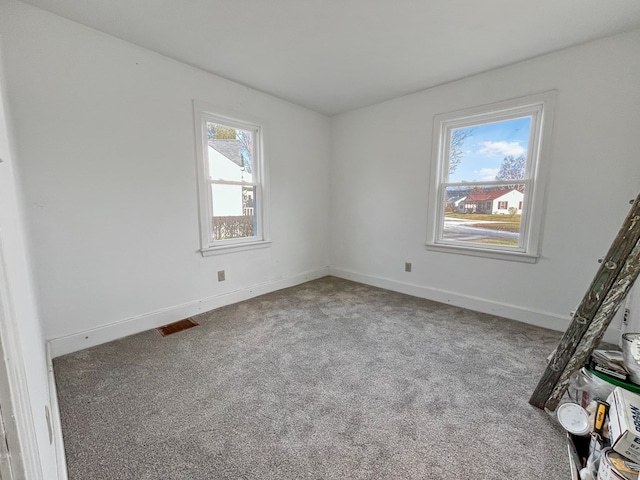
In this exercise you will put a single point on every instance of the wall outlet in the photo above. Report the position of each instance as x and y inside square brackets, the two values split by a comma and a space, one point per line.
[221, 275]
[407, 267]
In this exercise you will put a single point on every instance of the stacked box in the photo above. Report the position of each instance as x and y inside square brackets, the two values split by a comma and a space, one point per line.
[624, 423]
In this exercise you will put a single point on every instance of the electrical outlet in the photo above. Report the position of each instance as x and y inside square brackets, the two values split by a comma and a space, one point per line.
[221, 275]
[407, 267]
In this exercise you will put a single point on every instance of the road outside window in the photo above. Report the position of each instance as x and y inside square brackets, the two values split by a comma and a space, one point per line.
[487, 179]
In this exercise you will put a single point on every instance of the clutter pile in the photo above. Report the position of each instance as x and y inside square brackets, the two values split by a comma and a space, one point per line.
[601, 414]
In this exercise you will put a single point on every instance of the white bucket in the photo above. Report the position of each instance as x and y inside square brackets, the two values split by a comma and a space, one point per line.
[631, 355]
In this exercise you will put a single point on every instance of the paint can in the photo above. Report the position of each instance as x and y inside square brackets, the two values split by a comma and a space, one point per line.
[573, 418]
[614, 466]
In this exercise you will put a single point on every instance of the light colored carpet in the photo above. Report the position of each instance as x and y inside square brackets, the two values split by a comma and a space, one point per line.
[327, 380]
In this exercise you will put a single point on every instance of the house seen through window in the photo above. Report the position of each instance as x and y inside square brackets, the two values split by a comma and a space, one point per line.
[233, 192]
[482, 190]
[487, 182]
[231, 184]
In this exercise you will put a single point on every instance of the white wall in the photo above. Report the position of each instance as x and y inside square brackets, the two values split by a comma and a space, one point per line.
[379, 177]
[23, 344]
[106, 149]
[106, 142]
[105, 139]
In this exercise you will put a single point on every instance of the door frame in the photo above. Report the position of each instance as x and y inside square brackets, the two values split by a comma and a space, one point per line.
[6, 470]
[14, 393]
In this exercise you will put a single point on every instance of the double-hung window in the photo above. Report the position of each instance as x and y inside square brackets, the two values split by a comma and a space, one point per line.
[488, 176]
[231, 183]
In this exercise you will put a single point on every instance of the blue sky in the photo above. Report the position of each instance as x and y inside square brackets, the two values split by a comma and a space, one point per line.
[487, 146]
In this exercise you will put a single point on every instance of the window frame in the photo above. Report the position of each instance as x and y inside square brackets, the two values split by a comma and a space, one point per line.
[204, 113]
[541, 108]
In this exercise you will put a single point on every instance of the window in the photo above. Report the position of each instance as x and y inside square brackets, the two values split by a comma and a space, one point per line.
[231, 183]
[487, 179]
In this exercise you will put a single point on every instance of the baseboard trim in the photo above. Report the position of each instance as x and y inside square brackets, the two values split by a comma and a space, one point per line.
[56, 424]
[539, 318]
[130, 326]
[140, 323]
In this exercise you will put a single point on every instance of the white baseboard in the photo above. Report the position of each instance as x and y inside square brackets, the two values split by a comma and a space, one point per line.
[140, 323]
[79, 341]
[539, 318]
[130, 326]
[54, 418]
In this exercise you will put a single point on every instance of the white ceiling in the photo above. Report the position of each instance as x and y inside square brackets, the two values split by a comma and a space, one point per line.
[336, 55]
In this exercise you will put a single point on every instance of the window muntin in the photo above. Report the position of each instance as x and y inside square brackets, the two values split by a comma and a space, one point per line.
[231, 182]
[487, 179]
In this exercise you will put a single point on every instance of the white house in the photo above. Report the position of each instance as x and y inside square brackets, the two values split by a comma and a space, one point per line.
[496, 202]
[456, 204]
[228, 199]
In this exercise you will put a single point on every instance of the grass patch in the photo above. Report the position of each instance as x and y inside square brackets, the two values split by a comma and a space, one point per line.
[511, 242]
[486, 217]
[502, 227]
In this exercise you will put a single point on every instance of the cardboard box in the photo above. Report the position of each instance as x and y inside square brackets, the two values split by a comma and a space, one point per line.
[624, 423]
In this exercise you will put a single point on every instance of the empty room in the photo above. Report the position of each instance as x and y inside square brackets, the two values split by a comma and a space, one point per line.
[365, 226]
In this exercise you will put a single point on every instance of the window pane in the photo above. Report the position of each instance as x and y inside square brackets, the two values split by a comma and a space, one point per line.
[491, 151]
[230, 153]
[234, 211]
[483, 214]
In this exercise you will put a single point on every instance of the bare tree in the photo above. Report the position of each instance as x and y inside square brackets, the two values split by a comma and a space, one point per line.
[513, 168]
[456, 151]
[246, 141]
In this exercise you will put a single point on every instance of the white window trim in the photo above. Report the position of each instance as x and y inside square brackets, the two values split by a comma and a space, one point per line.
[538, 163]
[204, 112]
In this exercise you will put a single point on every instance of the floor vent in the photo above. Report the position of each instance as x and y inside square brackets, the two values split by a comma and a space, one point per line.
[177, 327]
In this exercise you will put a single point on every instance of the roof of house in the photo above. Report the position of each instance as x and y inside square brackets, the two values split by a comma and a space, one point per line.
[230, 148]
[482, 197]
[223, 168]
[456, 199]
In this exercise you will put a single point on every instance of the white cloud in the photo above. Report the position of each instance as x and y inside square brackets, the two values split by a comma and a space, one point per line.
[502, 149]
[487, 173]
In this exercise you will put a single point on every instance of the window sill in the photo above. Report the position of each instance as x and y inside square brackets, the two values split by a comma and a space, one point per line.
[236, 247]
[486, 253]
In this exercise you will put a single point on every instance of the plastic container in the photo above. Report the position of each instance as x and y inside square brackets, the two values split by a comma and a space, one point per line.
[631, 355]
[586, 386]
